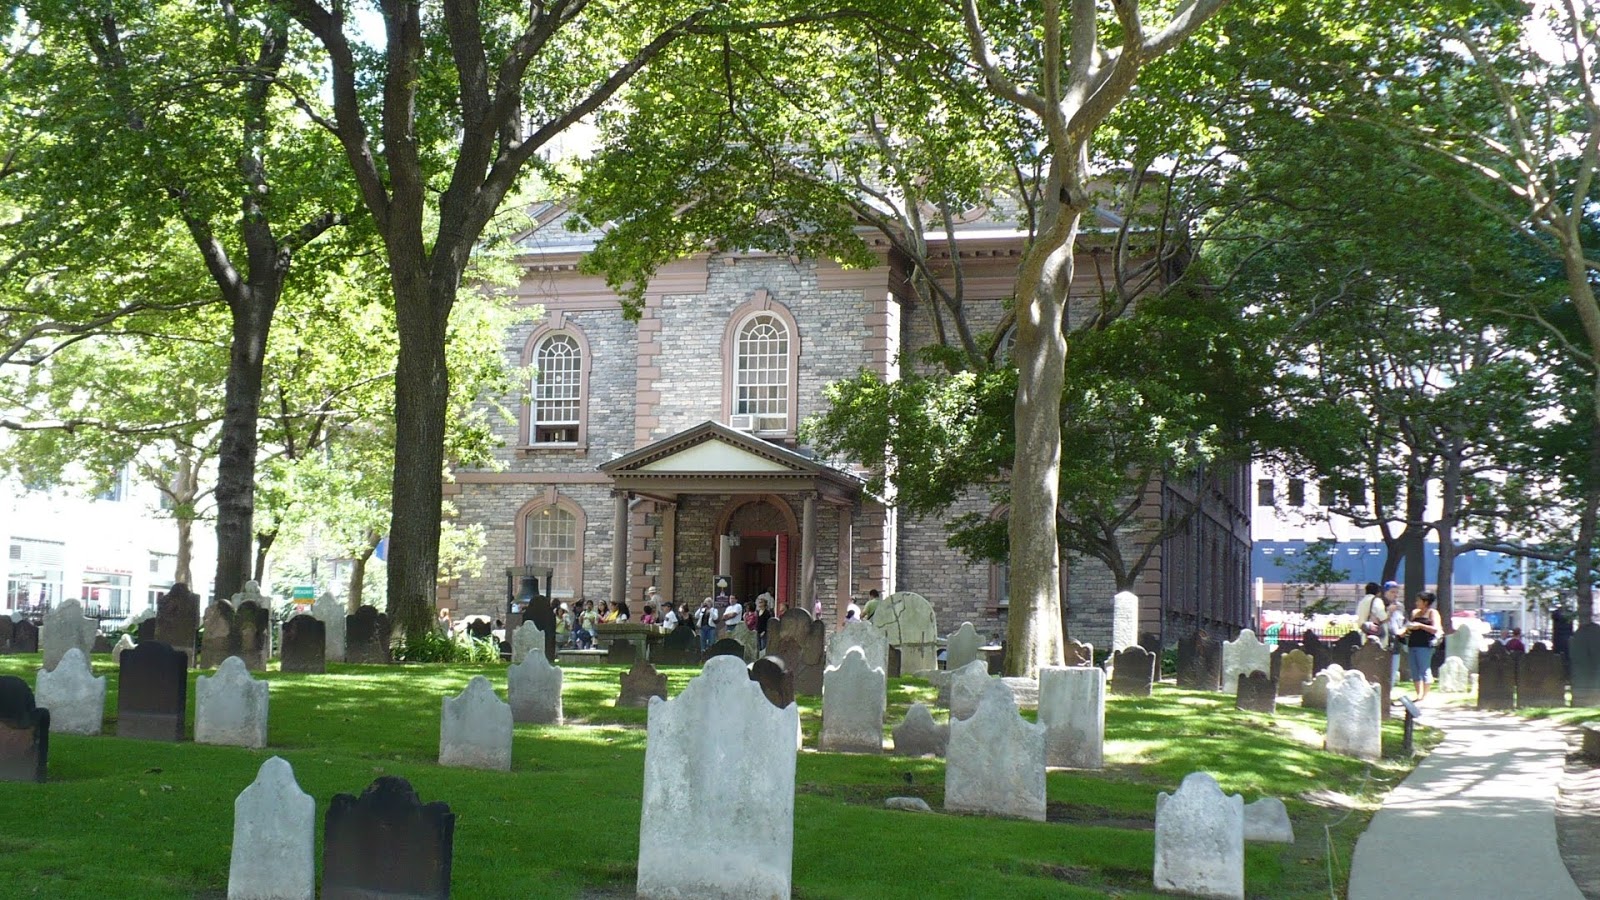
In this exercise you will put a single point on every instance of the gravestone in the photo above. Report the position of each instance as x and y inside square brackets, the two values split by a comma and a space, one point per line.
[962, 647]
[1124, 620]
[1200, 839]
[994, 764]
[777, 684]
[1583, 655]
[1315, 695]
[65, 628]
[1267, 821]
[1078, 654]
[330, 613]
[1132, 672]
[1497, 678]
[274, 838]
[220, 640]
[681, 647]
[1151, 641]
[24, 733]
[1312, 646]
[1342, 652]
[24, 637]
[252, 622]
[366, 637]
[1294, 670]
[965, 688]
[729, 647]
[6, 626]
[387, 844]
[1241, 656]
[802, 642]
[1355, 723]
[1199, 662]
[807, 678]
[853, 702]
[719, 764]
[863, 634]
[1453, 677]
[918, 734]
[1072, 709]
[622, 653]
[145, 630]
[102, 644]
[640, 683]
[230, 707]
[1372, 660]
[527, 639]
[894, 669]
[1540, 682]
[747, 639]
[76, 699]
[533, 688]
[178, 620]
[475, 727]
[1256, 692]
[124, 644]
[152, 691]
[1463, 643]
[908, 622]
[305, 645]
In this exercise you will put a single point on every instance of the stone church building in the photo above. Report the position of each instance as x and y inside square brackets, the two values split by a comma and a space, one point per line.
[663, 452]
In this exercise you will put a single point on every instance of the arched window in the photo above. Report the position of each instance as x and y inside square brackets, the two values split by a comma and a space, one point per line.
[551, 535]
[557, 404]
[761, 373]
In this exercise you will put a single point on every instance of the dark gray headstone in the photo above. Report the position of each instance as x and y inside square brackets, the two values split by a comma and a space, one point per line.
[1372, 660]
[24, 637]
[305, 645]
[1151, 642]
[894, 661]
[1200, 662]
[725, 647]
[480, 629]
[366, 635]
[807, 677]
[623, 653]
[1258, 692]
[102, 644]
[680, 647]
[6, 627]
[387, 844]
[177, 620]
[802, 640]
[221, 639]
[146, 631]
[1313, 647]
[1343, 650]
[1540, 682]
[1584, 656]
[640, 683]
[253, 625]
[1497, 678]
[776, 681]
[24, 733]
[1132, 672]
[153, 688]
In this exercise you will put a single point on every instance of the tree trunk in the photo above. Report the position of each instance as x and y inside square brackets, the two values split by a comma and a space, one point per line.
[264, 542]
[185, 491]
[358, 574]
[1588, 525]
[1450, 512]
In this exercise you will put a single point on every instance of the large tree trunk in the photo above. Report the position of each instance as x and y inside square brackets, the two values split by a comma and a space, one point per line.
[185, 492]
[358, 573]
[1588, 525]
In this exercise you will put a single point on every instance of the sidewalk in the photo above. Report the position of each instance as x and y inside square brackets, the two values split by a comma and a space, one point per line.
[1475, 819]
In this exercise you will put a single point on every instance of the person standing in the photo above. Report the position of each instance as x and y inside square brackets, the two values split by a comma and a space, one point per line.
[1422, 630]
[705, 620]
[763, 619]
[871, 606]
[1514, 643]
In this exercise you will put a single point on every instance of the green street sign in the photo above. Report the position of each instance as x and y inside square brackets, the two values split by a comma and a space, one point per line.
[304, 592]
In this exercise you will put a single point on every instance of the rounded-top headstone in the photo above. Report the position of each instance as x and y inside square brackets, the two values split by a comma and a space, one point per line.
[995, 760]
[1200, 839]
[274, 838]
[475, 728]
[75, 697]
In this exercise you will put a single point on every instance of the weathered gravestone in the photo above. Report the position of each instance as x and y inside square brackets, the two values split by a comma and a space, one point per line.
[681, 647]
[918, 734]
[994, 763]
[1200, 839]
[894, 670]
[24, 733]
[1355, 723]
[366, 637]
[1464, 643]
[719, 764]
[152, 690]
[146, 631]
[640, 683]
[1342, 652]
[252, 623]
[527, 639]
[1199, 662]
[178, 620]
[859, 633]
[1072, 709]
[1256, 692]
[1371, 659]
[1315, 695]
[1124, 620]
[1267, 821]
[964, 688]
[124, 644]
[76, 699]
[24, 637]
[305, 645]
[1294, 670]
[908, 621]
[962, 647]
[230, 708]
[729, 647]
[1497, 678]
[330, 613]
[387, 844]
[622, 653]
[1583, 654]
[1540, 682]
[533, 688]
[274, 838]
[102, 644]
[219, 640]
[853, 702]
[747, 639]
[6, 627]
[1132, 672]
[1453, 677]
[1078, 654]
[475, 728]
[66, 628]
[777, 684]
[802, 642]
[1241, 656]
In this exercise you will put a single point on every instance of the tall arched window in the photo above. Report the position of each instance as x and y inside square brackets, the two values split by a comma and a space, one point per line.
[761, 373]
[557, 391]
[552, 542]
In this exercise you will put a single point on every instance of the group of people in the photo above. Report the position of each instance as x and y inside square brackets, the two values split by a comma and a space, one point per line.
[715, 617]
[1415, 632]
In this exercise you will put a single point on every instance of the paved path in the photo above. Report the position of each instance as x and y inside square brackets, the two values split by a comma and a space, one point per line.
[1475, 819]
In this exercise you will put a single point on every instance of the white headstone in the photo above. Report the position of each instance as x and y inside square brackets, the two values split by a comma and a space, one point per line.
[1464, 644]
[962, 647]
[1242, 656]
[1355, 717]
[1315, 694]
[230, 707]
[1124, 620]
[918, 734]
[1453, 676]
[995, 761]
[853, 701]
[274, 838]
[908, 621]
[475, 728]
[965, 687]
[1200, 839]
[863, 634]
[1072, 708]
[65, 628]
[123, 643]
[330, 613]
[1267, 821]
[76, 699]
[534, 688]
[526, 639]
[719, 764]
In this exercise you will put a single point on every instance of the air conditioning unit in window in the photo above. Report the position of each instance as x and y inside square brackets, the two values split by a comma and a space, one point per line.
[772, 423]
[742, 422]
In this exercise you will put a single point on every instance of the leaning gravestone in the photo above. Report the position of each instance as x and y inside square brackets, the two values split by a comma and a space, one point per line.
[908, 621]
[863, 634]
[1072, 709]
[918, 734]
[387, 844]
[1343, 650]
[65, 628]
[76, 699]
[1256, 692]
[231, 707]
[305, 645]
[1315, 694]
[962, 647]
[330, 613]
[1267, 821]
[220, 639]
[152, 691]
[965, 688]
[1373, 660]
[475, 727]
[178, 620]
[1132, 672]
[274, 838]
[1294, 670]
[640, 683]
[1124, 620]
[719, 764]
[853, 702]
[1463, 643]
[24, 637]
[1200, 839]
[1583, 654]
[1539, 679]
[994, 764]
[366, 635]
[1355, 724]
[1199, 663]
[252, 622]
[1078, 654]
[533, 687]
[1497, 678]
[1453, 677]
[1241, 656]
[777, 684]
[24, 733]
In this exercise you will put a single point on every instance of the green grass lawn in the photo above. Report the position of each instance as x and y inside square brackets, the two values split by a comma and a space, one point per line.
[123, 818]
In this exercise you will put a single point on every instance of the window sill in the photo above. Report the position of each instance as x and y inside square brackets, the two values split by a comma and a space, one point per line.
[530, 449]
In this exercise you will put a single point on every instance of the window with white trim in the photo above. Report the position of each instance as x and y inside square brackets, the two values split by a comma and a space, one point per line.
[35, 574]
[761, 373]
[552, 543]
[557, 391]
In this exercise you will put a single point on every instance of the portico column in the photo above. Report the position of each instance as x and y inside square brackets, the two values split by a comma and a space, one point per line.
[619, 549]
[808, 553]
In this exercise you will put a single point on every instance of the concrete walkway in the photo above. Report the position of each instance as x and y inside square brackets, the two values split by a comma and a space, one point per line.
[1475, 819]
